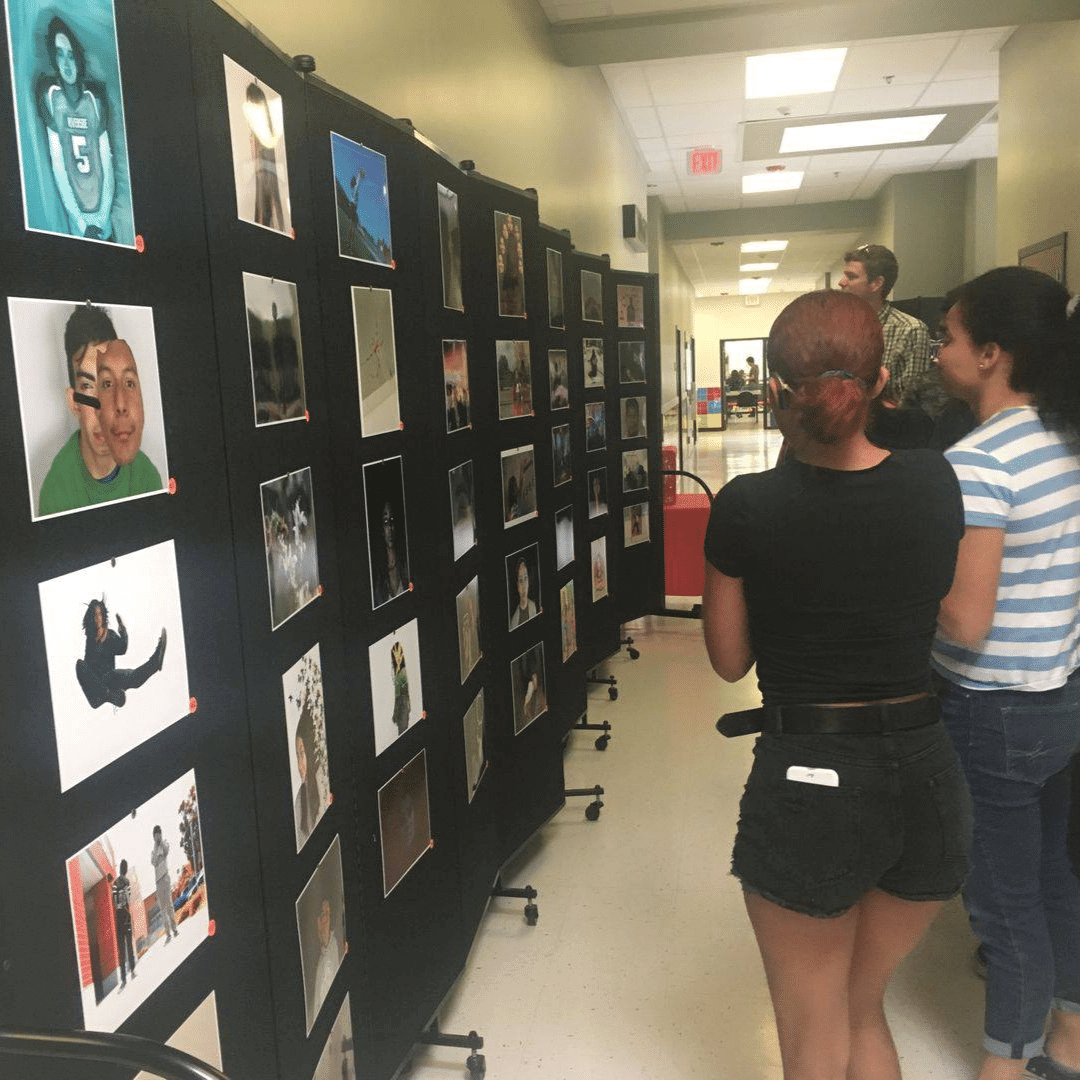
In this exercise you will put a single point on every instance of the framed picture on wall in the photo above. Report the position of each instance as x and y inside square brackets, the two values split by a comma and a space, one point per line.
[635, 470]
[635, 524]
[456, 385]
[519, 485]
[568, 620]
[509, 264]
[396, 698]
[595, 425]
[599, 568]
[556, 303]
[562, 466]
[632, 417]
[529, 687]
[592, 358]
[305, 734]
[450, 248]
[557, 379]
[404, 821]
[277, 359]
[468, 627]
[564, 537]
[376, 360]
[292, 556]
[598, 504]
[475, 748]
[320, 925]
[631, 361]
[462, 516]
[362, 198]
[592, 296]
[1047, 256]
[337, 1060]
[388, 535]
[631, 301]
[523, 585]
[515, 379]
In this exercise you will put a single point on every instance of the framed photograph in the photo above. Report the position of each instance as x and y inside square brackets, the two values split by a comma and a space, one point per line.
[198, 1036]
[292, 556]
[456, 385]
[124, 609]
[468, 627]
[69, 119]
[592, 358]
[509, 264]
[305, 733]
[450, 248]
[560, 454]
[635, 470]
[529, 687]
[523, 585]
[404, 821]
[277, 359]
[475, 746]
[257, 134]
[564, 537]
[631, 361]
[568, 620]
[632, 417]
[515, 379]
[519, 485]
[320, 926]
[388, 535]
[557, 379]
[337, 1060]
[592, 296]
[137, 888]
[462, 515]
[397, 700]
[556, 302]
[1047, 256]
[635, 524]
[631, 302]
[598, 554]
[595, 426]
[376, 361]
[597, 493]
[93, 415]
[362, 198]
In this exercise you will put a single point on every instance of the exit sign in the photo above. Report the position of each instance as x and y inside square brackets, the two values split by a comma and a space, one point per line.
[704, 161]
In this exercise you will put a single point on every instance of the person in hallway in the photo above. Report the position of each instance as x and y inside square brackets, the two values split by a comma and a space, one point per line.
[1008, 650]
[159, 859]
[125, 944]
[828, 573]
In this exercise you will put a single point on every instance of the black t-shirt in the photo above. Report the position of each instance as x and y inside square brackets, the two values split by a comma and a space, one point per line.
[843, 573]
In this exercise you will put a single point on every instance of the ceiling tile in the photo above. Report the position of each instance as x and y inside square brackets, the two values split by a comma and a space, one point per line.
[876, 98]
[910, 155]
[659, 174]
[842, 161]
[959, 92]
[683, 82]
[797, 105]
[643, 123]
[868, 64]
[679, 119]
[654, 149]
[628, 85]
[975, 56]
[725, 136]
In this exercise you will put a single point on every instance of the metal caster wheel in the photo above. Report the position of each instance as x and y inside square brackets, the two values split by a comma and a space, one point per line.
[592, 811]
[613, 693]
[634, 654]
[477, 1066]
[602, 741]
[532, 913]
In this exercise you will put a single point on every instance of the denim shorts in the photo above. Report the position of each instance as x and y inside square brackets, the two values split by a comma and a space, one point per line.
[898, 820]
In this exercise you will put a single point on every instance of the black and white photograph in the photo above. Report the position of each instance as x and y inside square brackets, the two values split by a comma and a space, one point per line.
[514, 366]
[198, 1036]
[450, 248]
[69, 116]
[456, 385]
[631, 361]
[292, 557]
[562, 469]
[468, 627]
[376, 360]
[595, 426]
[632, 418]
[568, 620]
[404, 821]
[597, 493]
[528, 685]
[257, 135]
[564, 537]
[138, 903]
[475, 747]
[635, 524]
[518, 485]
[556, 301]
[128, 609]
[388, 537]
[305, 733]
[277, 359]
[558, 380]
[523, 585]
[362, 198]
[462, 515]
[397, 700]
[510, 264]
[338, 1059]
[598, 554]
[320, 926]
[635, 470]
[631, 302]
[90, 402]
[592, 296]
[592, 360]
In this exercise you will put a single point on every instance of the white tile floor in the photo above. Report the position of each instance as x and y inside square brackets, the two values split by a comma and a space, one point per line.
[643, 965]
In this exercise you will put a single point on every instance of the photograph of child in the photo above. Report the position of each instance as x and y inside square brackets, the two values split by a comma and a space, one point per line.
[592, 296]
[305, 730]
[456, 384]
[556, 303]
[509, 264]
[557, 379]
[450, 248]
[362, 197]
[599, 568]
[597, 492]
[564, 537]
[519, 485]
[397, 700]
[376, 360]
[69, 118]
[635, 470]
[475, 751]
[631, 302]
[632, 410]
[523, 585]
[138, 903]
[568, 619]
[635, 524]
[404, 821]
[515, 379]
[90, 401]
[292, 557]
[592, 356]
[595, 426]
[388, 539]
[560, 454]
[338, 1060]
[631, 361]
[277, 359]
[462, 519]
[468, 627]
[529, 687]
[320, 926]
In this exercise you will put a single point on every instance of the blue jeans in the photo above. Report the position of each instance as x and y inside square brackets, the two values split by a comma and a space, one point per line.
[1022, 896]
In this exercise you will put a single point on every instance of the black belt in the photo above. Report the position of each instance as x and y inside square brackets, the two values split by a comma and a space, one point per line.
[874, 718]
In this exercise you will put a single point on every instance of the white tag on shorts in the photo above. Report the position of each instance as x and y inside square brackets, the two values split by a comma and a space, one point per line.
[801, 774]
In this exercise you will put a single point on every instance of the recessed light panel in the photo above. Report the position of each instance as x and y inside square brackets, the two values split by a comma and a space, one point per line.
[852, 133]
[753, 268]
[752, 286]
[763, 245]
[756, 183]
[814, 71]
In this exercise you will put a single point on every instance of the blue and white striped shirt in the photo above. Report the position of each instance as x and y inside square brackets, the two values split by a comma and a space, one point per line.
[1016, 475]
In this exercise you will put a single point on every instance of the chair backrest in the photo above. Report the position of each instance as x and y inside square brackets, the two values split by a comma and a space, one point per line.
[747, 400]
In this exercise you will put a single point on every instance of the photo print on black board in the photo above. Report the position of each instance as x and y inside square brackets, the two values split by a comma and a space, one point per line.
[388, 536]
[320, 926]
[631, 303]
[632, 417]
[598, 495]
[556, 302]
[475, 745]
[305, 732]
[564, 537]
[277, 358]
[292, 556]
[257, 135]
[362, 197]
[338, 1059]
[562, 468]
[631, 361]
[592, 296]
[138, 903]
[558, 380]
[592, 359]
[509, 264]
[397, 700]
[635, 524]
[198, 1036]
[595, 425]
[456, 385]
[568, 620]
[514, 367]
[69, 116]
[462, 515]
[468, 627]
[90, 401]
[635, 470]
[376, 360]
[518, 484]
[114, 645]
[450, 248]
[523, 585]
[404, 821]
[598, 555]
[528, 685]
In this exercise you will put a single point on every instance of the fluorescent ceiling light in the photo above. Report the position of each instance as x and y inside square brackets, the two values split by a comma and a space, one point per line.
[891, 129]
[763, 245]
[771, 181]
[751, 286]
[750, 268]
[784, 74]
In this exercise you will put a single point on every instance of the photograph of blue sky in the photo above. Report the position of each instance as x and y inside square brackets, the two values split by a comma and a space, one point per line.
[362, 197]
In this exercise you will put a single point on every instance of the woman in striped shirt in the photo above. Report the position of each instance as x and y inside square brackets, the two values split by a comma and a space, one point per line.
[1008, 649]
